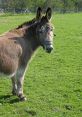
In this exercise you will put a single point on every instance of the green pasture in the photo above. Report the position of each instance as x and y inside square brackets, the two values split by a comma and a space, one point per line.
[53, 83]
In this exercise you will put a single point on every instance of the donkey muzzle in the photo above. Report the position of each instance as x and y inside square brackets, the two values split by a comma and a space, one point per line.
[48, 47]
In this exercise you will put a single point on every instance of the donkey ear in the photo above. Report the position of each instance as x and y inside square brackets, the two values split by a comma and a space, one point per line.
[39, 13]
[49, 13]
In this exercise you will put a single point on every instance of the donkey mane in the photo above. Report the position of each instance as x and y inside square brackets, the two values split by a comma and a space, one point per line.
[23, 29]
[27, 23]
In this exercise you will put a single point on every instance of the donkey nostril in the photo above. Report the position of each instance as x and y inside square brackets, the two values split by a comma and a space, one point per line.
[49, 49]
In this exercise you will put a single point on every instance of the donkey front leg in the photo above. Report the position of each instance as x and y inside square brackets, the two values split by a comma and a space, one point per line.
[20, 89]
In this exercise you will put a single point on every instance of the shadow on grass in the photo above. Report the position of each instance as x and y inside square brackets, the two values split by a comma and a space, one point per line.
[8, 99]
[31, 112]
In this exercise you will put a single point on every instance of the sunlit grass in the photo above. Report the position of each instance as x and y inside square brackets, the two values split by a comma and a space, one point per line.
[53, 83]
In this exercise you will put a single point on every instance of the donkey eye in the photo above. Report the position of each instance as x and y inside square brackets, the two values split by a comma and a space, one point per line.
[42, 28]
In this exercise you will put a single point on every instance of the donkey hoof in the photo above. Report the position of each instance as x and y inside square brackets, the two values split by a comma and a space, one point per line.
[23, 99]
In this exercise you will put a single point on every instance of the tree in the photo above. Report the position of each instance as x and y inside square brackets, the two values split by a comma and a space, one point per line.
[59, 5]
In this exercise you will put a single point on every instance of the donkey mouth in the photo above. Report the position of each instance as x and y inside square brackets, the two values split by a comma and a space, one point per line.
[48, 48]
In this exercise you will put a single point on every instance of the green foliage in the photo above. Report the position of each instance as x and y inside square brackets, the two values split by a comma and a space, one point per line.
[53, 83]
[61, 5]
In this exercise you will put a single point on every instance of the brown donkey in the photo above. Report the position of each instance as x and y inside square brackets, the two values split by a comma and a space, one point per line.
[18, 45]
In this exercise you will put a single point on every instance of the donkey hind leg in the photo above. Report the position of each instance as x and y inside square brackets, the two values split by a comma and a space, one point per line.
[20, 80]
[14, 85]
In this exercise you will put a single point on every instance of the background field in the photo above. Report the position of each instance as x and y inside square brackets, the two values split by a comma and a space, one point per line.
[53, 83]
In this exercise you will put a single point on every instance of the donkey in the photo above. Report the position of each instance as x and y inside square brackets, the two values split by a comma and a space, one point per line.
[18, 45]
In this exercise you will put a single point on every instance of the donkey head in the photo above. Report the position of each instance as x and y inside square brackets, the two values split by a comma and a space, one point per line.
[44, 31]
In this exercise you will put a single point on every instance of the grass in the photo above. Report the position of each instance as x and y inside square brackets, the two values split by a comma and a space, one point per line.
[53, 83]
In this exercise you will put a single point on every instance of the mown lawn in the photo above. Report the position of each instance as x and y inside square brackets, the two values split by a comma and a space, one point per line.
[53, 83]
